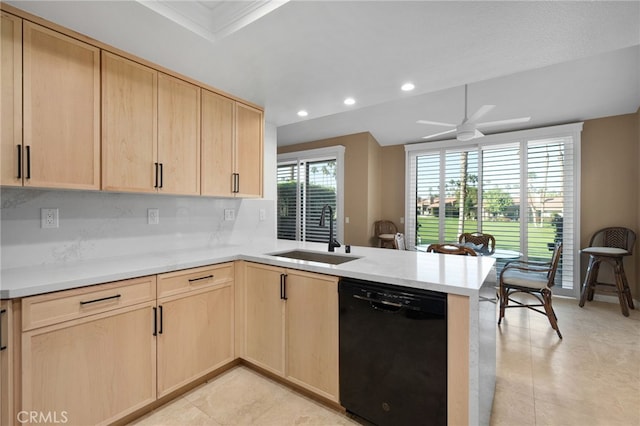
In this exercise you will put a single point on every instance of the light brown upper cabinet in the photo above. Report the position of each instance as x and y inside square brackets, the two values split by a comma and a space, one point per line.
[11, 144]
[218, 117]
[178, 136]
[248, 159]
[151, 130]
[232, 146]
[61, 109]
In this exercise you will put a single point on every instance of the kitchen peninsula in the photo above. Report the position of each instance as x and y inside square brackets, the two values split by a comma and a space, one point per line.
[469, 283]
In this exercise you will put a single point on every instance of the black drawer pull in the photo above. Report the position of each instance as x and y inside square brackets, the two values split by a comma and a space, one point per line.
[283, 286]
[28, 148]
[208, 277]
[161, 320]
[155, 184]
[102, 299]
[161, 176]
[2, 347]
[19, 162]
[155, 321]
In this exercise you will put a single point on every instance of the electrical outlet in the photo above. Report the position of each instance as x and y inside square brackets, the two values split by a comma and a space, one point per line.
[49, 218]
[346, 219]
[229, 214]
[262, 215]
[153, 216]
[402, 219]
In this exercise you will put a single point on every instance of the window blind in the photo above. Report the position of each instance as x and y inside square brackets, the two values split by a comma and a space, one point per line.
[304, 187]
[521, 187]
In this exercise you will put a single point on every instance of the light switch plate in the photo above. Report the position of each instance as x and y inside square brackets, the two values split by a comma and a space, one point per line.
[49, 218]
[262, 214]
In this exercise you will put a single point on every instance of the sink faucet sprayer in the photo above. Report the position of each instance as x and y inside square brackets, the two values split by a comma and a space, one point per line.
[332, 242]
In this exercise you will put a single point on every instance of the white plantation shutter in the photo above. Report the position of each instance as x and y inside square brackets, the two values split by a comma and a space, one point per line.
[527, 187]
[307, 181]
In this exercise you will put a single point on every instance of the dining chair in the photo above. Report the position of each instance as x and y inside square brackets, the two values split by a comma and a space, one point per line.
[448, 248]
[385, 231]
[609, 245]
[530, 278]
[484, 244]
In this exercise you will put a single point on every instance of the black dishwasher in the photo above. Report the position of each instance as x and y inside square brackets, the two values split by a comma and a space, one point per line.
[393, 353]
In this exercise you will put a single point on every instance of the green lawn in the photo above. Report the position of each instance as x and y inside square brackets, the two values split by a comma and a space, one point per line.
[506, 233]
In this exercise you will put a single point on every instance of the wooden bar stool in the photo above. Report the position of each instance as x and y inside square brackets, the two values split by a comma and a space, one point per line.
[609, 245]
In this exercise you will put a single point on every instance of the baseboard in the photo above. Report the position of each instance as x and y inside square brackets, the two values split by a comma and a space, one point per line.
[610, 299]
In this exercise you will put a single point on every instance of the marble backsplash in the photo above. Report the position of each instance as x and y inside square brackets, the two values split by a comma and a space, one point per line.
[96, 224]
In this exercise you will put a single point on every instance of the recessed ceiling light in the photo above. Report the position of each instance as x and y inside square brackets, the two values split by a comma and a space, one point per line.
[407, 87]
[302, 113]
[349, 101]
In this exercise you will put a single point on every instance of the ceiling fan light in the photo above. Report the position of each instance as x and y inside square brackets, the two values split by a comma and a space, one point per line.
[465, 135]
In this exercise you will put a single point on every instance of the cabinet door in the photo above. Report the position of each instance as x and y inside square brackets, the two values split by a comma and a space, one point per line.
[6, 363]
[196, 336]
[11, 92]
[178, 136]
[61, 110]
[248, 151]
[129, 125]
[312, 332]
[92, 370]
[218, 115]
[264, 317]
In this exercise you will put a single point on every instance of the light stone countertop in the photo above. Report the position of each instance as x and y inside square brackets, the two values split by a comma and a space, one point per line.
[463, 275]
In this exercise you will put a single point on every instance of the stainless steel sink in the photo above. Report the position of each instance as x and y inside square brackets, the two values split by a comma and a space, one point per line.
[316, 256]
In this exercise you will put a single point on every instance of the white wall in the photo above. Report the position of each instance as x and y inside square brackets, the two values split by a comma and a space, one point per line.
[101, 224]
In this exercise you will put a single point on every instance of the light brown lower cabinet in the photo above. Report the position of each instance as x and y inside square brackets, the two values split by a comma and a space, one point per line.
[94, 355]
[291, 326]
[97, 366]
[264, 307]
[6, 363]
[196, 333]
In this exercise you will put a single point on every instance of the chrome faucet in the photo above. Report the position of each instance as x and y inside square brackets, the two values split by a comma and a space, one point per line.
[332, 242]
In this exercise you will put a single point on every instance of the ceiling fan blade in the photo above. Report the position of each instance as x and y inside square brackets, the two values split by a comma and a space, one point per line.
[439, 134]
[478, 134]
[435, 123]
[480, 112]
[501, 122]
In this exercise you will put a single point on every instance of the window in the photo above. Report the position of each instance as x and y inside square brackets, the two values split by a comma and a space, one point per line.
[307, 181]
[521, 187]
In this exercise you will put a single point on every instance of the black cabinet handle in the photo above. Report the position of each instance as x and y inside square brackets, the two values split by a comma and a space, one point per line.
[2, 347]
[155, 321]
[155, 184]
[161, 319]
[28, 148]
[283, 286]
[161, 175]
[192, 280]
[102, 299]
[19, 162]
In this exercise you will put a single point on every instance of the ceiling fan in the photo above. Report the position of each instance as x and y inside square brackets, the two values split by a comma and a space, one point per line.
[468, 129]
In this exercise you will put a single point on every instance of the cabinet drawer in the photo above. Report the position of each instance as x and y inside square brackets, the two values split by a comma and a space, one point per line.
[193, 279]
[52, 308]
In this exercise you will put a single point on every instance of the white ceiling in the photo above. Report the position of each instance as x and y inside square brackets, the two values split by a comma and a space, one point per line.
[555, 61]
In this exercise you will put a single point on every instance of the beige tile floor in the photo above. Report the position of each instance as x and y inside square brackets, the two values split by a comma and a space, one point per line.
[591, 377]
